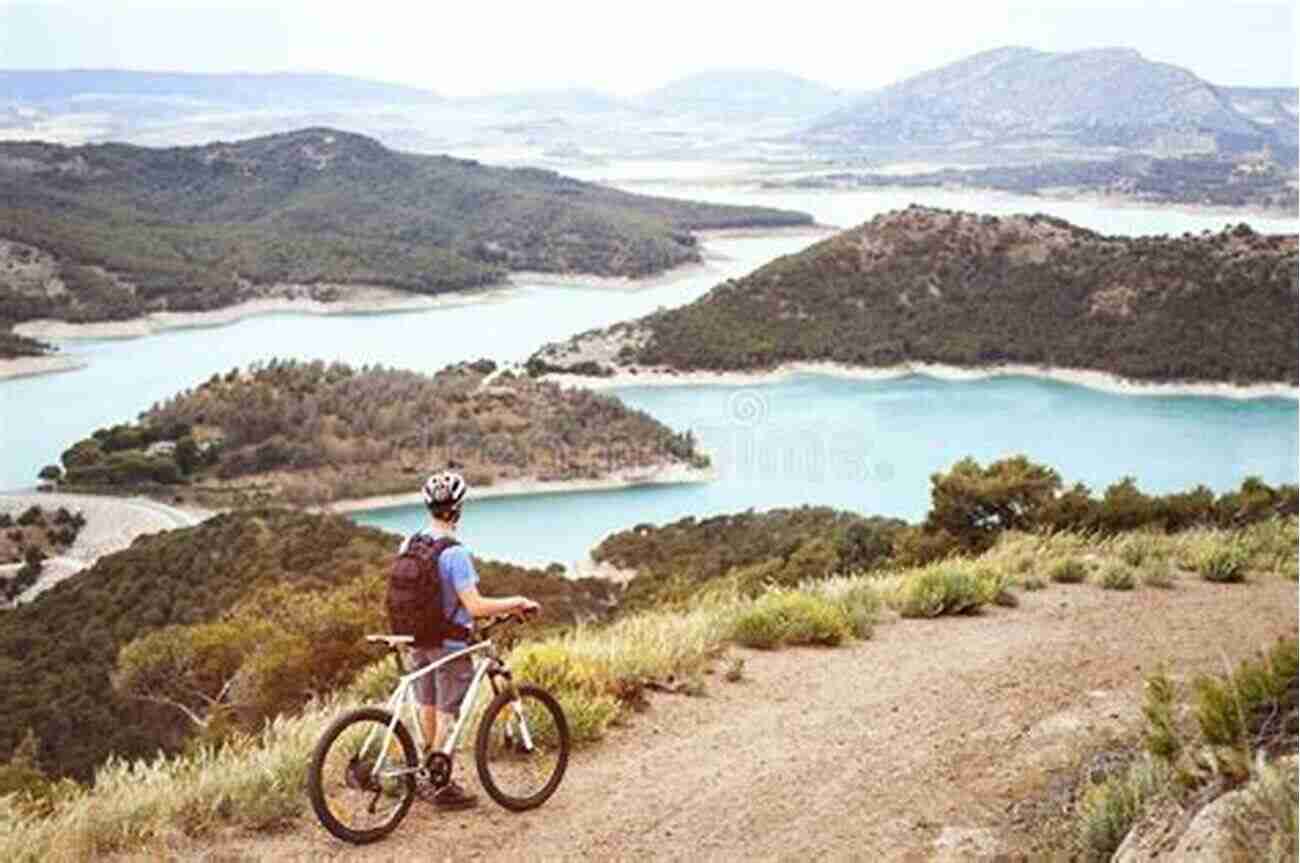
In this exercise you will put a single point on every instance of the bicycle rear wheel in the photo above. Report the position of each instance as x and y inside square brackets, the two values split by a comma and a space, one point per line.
[522, 748]
[362, 779]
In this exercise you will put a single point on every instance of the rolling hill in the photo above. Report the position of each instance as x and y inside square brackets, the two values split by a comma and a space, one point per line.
[114, 231]
[927, 285]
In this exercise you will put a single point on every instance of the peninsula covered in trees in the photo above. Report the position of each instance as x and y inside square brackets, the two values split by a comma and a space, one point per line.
[113, 231]
[937, 286]
[311, 433]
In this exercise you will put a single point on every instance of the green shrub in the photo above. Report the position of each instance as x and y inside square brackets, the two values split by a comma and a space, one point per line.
[1161, 735]
[589, 716]
[1032, 582]
[1264, 825]
[1069, 570]
[1257, 702]
[948, 588]
[1271, 545]
[1140, 546]
[1224, 564]
[1117, 576]
[1109, 809]
[858, 598]
[785, 617]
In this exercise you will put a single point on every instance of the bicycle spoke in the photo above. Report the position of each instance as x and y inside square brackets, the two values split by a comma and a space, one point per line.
[523, 749]
[364, 777]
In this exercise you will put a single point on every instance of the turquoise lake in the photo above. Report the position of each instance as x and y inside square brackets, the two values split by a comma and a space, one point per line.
[867, 446]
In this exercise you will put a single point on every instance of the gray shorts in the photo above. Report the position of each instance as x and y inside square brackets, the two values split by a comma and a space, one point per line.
[445, 687]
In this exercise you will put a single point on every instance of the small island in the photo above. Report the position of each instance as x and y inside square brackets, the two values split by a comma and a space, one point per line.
[925, 286]
[312, 433]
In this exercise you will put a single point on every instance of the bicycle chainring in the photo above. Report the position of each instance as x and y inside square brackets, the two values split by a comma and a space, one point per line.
[438, 766]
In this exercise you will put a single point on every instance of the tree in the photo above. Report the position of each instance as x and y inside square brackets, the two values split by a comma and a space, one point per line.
[861, 546]
[186, 668]
[83, 453]
[974, 504]
[51, 472]
[187, 454]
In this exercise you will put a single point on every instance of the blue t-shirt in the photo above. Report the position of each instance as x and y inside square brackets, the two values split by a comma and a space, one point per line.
[456, 570]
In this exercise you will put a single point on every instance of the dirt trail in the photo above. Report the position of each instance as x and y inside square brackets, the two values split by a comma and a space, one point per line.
[913, 746]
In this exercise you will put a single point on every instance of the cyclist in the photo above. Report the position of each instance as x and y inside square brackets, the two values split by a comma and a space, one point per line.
[439, 694]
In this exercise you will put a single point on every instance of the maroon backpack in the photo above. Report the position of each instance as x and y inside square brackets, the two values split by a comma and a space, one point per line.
[415, 593]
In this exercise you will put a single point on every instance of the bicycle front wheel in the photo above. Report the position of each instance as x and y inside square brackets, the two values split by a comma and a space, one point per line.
[362, 777]
[522, 748]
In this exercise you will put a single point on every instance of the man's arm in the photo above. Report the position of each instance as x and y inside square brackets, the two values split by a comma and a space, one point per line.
[487, 606]
[465, 581]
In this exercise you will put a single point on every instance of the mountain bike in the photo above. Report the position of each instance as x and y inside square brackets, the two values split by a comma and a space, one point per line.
[363, 774]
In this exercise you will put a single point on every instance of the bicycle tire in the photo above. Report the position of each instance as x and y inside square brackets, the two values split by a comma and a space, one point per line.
[317, 780]
[483, 745]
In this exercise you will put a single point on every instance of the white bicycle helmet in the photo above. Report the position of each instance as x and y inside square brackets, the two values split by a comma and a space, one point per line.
[445, 490]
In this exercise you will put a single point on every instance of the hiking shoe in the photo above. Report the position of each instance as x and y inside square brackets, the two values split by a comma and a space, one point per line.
[449, 796]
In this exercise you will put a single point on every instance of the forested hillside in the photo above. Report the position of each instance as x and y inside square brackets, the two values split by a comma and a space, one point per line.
[113, 231]
[971, 505]
[928, 285]
[304, 433]
[281, 600]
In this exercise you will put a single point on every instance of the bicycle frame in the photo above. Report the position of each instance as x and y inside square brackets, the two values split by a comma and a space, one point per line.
[404, 697]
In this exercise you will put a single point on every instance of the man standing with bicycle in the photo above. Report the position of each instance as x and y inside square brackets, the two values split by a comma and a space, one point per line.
[440, 694]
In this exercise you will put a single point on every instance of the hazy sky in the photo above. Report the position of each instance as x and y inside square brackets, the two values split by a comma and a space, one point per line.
[472, 47]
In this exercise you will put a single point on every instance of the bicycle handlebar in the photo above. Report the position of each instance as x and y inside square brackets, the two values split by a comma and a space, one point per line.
[499, 620]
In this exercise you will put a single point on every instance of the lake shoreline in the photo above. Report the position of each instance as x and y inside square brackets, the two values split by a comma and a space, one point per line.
[666, 474]
[369, 299]
[357, 299]
[1060, 194]
[50, 364]
[1089, 378]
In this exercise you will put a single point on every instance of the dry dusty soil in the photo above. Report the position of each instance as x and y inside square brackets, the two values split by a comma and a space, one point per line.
[921, 744]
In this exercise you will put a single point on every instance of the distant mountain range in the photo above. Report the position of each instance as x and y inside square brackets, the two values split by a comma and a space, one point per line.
[91, 86]
[745, 92]
[1111, 97]
[574, 100]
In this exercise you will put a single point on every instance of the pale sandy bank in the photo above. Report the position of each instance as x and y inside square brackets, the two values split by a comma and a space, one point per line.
[23, 367]
[1097, 380]
[626, 478]
[112, 524]
[356, 300]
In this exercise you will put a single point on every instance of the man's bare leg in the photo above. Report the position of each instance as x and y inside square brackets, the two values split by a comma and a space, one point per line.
[435, 724]
[429, 725]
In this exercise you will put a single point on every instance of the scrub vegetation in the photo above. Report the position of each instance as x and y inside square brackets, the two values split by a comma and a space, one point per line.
[311, 432]
[230, 645]
[938, 286]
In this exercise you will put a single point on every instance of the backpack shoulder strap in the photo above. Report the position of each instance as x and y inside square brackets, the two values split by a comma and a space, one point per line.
[423, 545]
